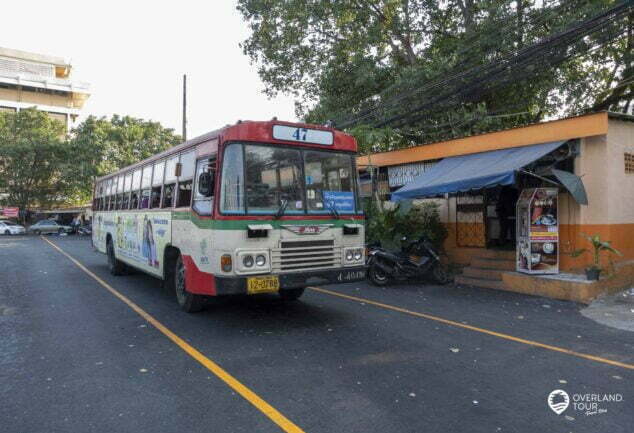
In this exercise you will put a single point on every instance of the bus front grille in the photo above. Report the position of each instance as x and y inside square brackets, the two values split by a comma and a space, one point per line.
[305, 255]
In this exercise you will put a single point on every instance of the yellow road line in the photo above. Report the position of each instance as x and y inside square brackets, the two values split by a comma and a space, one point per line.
[268, 410]
[476, 329]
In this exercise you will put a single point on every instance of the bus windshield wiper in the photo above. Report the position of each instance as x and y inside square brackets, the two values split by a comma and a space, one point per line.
[330, 205]
[281, 209]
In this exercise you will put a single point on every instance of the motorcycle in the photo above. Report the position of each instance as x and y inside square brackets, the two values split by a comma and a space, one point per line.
[416, 259]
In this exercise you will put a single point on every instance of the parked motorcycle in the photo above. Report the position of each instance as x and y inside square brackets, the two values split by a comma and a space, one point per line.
[416, 259]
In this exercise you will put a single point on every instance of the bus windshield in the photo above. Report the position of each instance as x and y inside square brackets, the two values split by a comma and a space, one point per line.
[264, 179]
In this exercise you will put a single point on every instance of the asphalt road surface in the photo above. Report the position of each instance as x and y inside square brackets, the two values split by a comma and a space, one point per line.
[83, 351]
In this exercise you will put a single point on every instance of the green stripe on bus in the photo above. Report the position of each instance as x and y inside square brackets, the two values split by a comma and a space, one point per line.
[242, 224]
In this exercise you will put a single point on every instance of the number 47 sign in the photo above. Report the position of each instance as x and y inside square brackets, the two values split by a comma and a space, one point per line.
[302, 135]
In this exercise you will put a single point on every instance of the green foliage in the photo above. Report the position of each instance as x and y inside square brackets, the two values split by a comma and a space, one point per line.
[342, 58]
[35, 162]
[41, 166]
[388, 226]
[598, 246]
[106, 145]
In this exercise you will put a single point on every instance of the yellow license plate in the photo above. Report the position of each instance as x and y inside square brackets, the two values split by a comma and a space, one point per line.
[262, 285]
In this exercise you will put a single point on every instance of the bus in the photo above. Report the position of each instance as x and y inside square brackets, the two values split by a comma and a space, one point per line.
[254, 207]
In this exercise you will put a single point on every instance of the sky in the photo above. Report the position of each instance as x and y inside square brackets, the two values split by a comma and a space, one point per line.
[134, 54]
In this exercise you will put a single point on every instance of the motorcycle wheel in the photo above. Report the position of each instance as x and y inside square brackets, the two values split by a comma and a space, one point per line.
[377, 276]
[440, 274]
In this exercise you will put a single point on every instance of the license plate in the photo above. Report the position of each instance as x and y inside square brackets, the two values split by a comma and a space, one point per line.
[262, 285]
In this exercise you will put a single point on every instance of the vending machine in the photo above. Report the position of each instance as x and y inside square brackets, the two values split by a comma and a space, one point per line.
[538, 231]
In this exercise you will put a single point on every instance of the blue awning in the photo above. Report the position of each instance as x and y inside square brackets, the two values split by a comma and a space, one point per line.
[475, 171]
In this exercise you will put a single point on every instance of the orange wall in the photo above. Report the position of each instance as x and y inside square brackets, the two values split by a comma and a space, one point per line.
[571, 238]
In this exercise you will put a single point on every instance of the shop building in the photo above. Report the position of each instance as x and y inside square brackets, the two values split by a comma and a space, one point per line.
[477, 181]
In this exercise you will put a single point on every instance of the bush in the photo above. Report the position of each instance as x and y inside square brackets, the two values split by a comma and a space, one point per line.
[388, 226]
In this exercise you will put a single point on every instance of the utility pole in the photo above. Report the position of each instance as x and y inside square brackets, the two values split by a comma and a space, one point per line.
[184, 107]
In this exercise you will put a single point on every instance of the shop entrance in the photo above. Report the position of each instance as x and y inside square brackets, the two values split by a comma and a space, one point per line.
[471, 227]
[486, 219]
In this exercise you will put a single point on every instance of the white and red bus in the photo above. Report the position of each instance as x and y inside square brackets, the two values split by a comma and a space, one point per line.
[250, 208]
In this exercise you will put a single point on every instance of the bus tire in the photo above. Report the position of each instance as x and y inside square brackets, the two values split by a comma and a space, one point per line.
[291, 294]
[115, 266]
[189, 302]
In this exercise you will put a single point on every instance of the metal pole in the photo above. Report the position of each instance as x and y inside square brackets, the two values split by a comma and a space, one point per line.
[184, 107]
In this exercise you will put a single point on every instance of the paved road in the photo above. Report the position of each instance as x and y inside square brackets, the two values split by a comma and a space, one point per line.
[75, 358]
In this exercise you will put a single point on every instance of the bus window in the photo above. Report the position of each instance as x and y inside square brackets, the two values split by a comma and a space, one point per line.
[119, 201]
[273, 175]
[232, 188]
[127, 187]
[170, 170]
[157, 177]
[188, 161]
[136, 185]
[146, 183]
[134, 200]
[184, 195]
[155, 197]
[157, 184]
[145, 198]
[168, 195]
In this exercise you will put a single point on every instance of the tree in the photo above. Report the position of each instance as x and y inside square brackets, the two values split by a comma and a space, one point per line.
[106, 145]
[371, 60]
[34, 160]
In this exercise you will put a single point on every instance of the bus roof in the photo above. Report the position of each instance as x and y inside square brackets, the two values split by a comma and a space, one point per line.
[256, 131]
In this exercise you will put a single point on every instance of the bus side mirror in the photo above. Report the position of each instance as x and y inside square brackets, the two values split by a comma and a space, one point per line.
[206, 184]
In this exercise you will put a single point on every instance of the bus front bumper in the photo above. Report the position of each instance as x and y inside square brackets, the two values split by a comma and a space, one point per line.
[238, 285]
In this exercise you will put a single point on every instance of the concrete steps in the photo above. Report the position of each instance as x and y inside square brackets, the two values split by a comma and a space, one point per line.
[497, 264]
[479, 282]
[485, 269]
[487, 273]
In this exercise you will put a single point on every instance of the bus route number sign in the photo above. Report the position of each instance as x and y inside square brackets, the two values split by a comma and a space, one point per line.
[303, 135]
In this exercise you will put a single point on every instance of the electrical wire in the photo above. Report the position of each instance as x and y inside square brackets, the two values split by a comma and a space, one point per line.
[566, 38]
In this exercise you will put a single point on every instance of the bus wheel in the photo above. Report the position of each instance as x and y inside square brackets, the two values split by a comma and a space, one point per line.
[116, 267]
[188, 302]
[291, 294]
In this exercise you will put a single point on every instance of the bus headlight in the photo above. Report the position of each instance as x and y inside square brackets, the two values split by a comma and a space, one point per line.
[247, 261]
[252, 262]
[353, 255]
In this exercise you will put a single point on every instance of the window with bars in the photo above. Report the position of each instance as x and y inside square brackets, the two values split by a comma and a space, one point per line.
[629, 163]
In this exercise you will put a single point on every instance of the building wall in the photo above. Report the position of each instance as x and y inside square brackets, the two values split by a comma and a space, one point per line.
[37, 99]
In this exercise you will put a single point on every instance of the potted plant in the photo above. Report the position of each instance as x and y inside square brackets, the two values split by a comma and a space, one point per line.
[593, 271]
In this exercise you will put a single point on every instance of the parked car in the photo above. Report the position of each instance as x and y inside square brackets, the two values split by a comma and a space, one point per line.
[49, 226]
[9, 228]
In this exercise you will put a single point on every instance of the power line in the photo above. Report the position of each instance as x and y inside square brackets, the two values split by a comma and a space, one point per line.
[544, 47]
